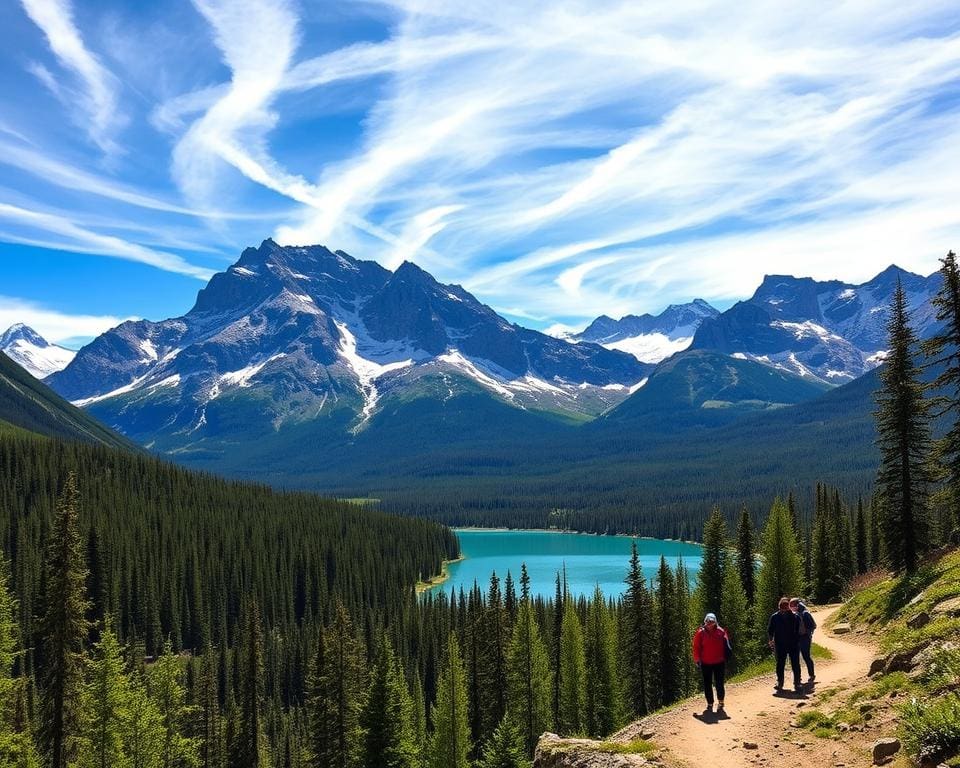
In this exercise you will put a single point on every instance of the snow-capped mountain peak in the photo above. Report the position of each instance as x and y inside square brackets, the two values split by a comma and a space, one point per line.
[30, 350]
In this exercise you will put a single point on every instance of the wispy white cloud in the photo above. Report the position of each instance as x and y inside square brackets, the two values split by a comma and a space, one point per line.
[81, 240]
[52, 324]
[99, 96]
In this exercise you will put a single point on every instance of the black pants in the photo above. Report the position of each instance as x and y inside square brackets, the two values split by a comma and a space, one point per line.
[713, 674]
[805, 642]
[794, 654]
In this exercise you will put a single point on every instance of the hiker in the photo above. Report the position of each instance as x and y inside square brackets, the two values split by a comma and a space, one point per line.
[807, 625]
[783, 635]
[711, 649]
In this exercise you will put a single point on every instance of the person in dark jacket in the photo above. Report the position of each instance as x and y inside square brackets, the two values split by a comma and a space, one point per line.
[711, 644]
[783, 635]
[807, 625]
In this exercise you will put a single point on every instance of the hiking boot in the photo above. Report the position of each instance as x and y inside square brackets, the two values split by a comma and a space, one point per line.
[778, 687]
[719, 706]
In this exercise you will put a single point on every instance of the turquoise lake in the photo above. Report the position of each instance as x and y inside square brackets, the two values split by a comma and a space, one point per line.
[589, 559]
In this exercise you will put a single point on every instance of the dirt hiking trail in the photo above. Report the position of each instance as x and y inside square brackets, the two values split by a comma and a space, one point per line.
[755, 716]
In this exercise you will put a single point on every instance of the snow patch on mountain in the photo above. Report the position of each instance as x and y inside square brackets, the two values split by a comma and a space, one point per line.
[367, 371]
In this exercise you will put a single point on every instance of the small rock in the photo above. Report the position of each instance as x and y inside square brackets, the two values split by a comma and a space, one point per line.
[884, 749]
[916, 599]
[920, 620]
[750, 745]
[876, 666]
[801, 704]
[866, 706]
[647, 734]
[949, 607]
[900, 662]
[842, 628]
[843, 727]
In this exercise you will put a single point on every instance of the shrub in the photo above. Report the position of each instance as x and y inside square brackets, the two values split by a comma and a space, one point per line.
[931, 728]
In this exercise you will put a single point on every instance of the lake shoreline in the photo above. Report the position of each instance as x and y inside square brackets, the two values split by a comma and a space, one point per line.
[495, 529]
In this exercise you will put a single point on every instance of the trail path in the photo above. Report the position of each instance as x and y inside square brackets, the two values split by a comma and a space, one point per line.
[754, 714]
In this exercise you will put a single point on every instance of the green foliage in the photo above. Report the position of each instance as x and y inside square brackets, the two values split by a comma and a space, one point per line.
[506, 748]
[105, 706]
[931, 727]
[165, 684]
[710, 579]
[635, 747]
[904, 440]
[451, 745]
[780, 573]
[746, 564]
[637, 638]
[735, 617]
[572, 720]
[604, 703]
[529, 677]
[389, 738]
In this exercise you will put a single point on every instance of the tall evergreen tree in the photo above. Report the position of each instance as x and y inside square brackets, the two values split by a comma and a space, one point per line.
[779, 574]
[824, 584]
[337, 682]
[555, 648]
[450, 745]
[208, 730]
[144, 732]
[712, 564]
[861, 538]
[529, 680]
[604, 703]
[505, 748]
[637, 637]
[106, 706]
[249, 748]
[669, 643]
[735, 617]
[876, 550]
[64, 631]
[943, 349]
[16, 740]
[685, 626]
[389, 740]
[493, 691]
[167, 690]
[573, 673]
[903, 436]
[746, 564]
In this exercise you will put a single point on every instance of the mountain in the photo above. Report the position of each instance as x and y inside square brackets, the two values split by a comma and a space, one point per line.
[827, 331]
[307, 339]
[649, 338]
[29, 404]
[29, 349]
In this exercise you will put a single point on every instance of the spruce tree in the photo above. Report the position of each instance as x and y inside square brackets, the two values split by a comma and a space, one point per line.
[903, 436]
[861, 538]
[529, 680]
[450, 745]
[943, 350]
[876, 550]
[249, 748]
[824, 583]
[555, 648]
[506, 748]
[64, 631]
[337, 682]
[386, 718]
[669, 644]
[637, 637]
[779, 574]
[208, 730]
[712, 565]
[572, 672]
[106, 705]
[604, 703]
[735, 617]
[168, 693]
[685, 627]
[144, 732]
[493, 678]
[746, 565]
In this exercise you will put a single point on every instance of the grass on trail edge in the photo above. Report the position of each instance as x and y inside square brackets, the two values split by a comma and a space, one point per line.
[768, 666]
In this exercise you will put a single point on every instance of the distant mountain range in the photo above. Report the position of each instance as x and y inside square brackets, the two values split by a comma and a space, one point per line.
[29, 349]
[301, 362]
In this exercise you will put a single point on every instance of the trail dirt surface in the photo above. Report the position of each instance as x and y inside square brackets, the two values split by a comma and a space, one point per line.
[756, 730]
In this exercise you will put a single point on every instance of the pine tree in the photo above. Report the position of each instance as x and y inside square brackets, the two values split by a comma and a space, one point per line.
[669, 646]
[685, 626]
[450, 745]
[166, 689]
[556, 646]
[876, 551]
[529, 682]
[389, 741]
[418, 717]
[779, 574]
[249, 748]
[16, 742]
[746, 565]
[943, 349]
[64, 631]
[604, 703]
[506, 748]
[861, 538]
[824, 584]
[713, 564]
[735, 617]
[493, 679]
[337, 681]
[106, 705]
[637, 637]
[209, 734]
[904, 441]
[144, 732]
[573, 673]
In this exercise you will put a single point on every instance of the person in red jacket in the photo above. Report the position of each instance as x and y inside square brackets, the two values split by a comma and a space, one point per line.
[711, 647]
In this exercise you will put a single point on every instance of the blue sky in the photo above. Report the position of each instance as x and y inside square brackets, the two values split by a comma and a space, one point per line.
[560, 161]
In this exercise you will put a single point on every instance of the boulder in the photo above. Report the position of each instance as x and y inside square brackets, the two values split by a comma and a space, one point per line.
[555, 752]
[842, 628]
[884, 749]
[920, 620]
[900, 661]
[877, 666]
[949, 607]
